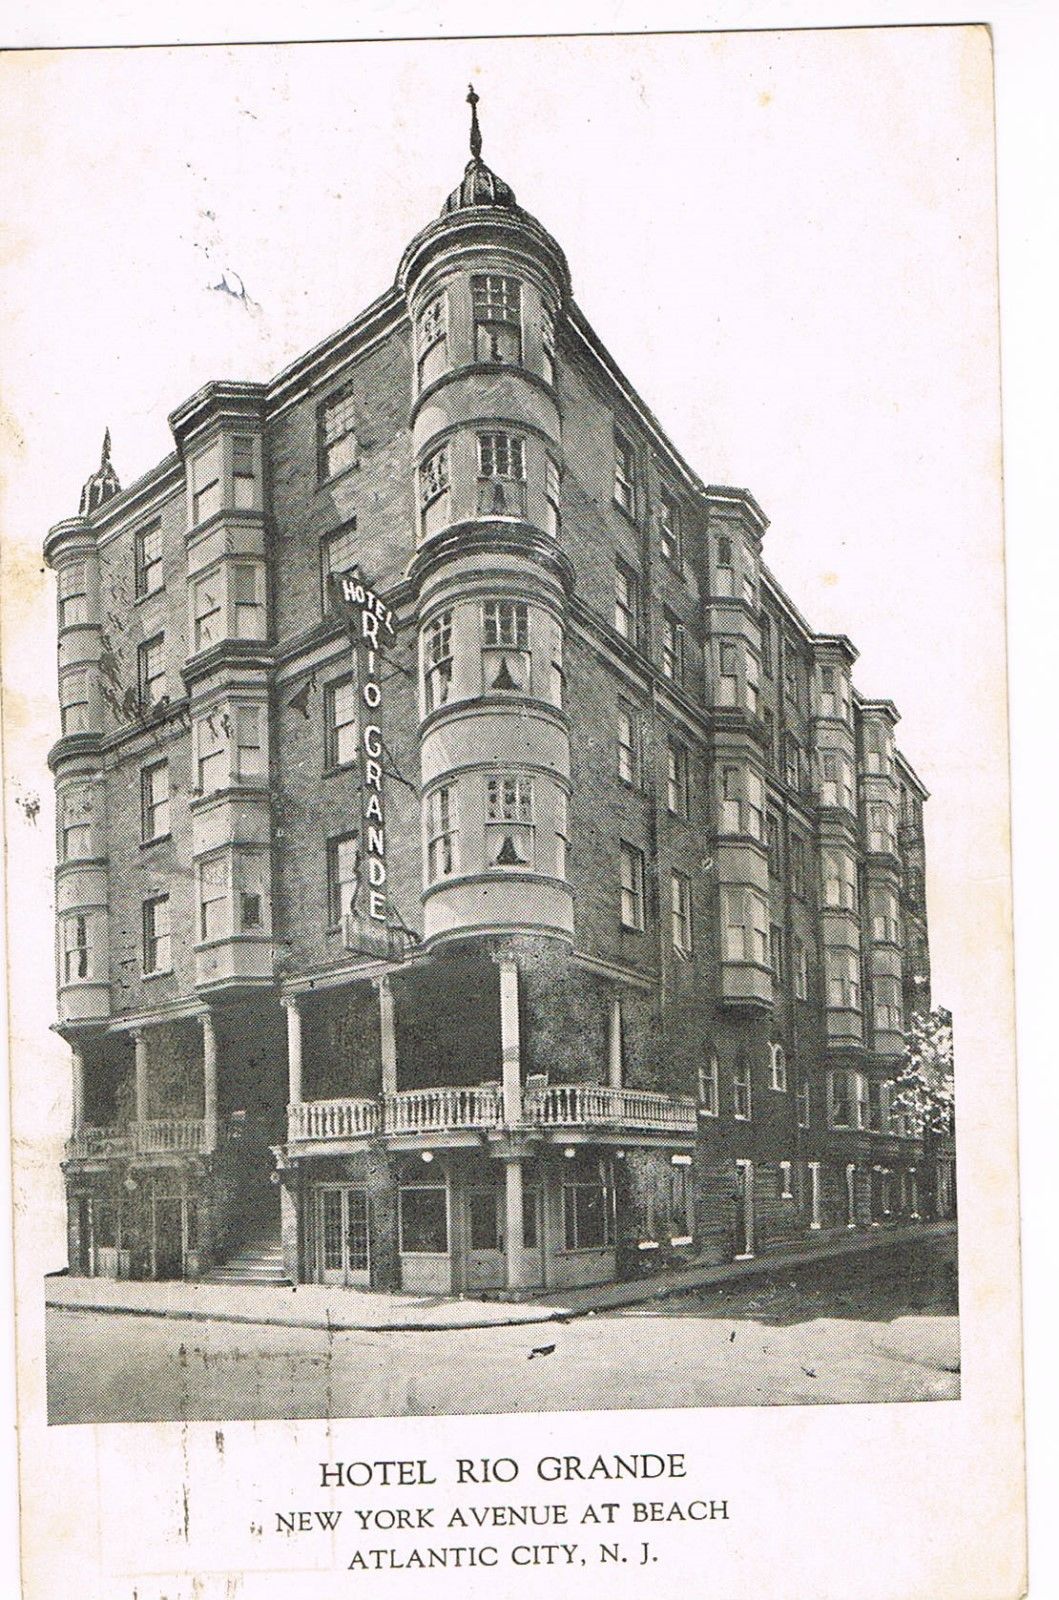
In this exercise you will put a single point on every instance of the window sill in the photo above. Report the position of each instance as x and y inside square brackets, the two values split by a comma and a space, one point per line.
[150, 594]
[630, 516]
[161, 973]
[324, 482]
[158, 838]
[333, 771]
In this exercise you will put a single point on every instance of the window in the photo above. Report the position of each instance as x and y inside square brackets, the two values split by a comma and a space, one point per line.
[878, 1106]
[803, 1102]
[792, 762]
[842, 1104]
[552, 496]
[340, 701]
[797, 865]
[770, 737]
[680, 902]
[744, 916]
[148, 557]
[882, 831]
[836, 780]
[244, 474]
[586, 1215]
[424, 1220]
[672, 648]
[724, 577]
[343, 876]
[778, 1068]
[212, 764]
[509, 821]
[157, 954]
[74, 709]
[505, 646]
[501, 474]
[154, 801]
[434, 481]
[741, 1090]
[73, 594]
[548, 341]
[840, 879]
[766, 646]
[437, 661]
[772, 836]
[728, 684]
[441, 834]
[250, 764]
[776, 953]
[742, 799]
[432, 329]
[152, 676]
[753, 685]
[801, 969]
[887, 1004]
[878, 749]
[562, 831]
[834, 692]
[632, 887]
[497, 308]
[791, 676]
[338, 554]
[76, 841]
[624, 474]
[628, 744]
[75, 949]
[843, 979]
[250, 883]
[709, 1096]
[208, 604]
[214, 881]
[885, 915]
[557, 679]
[337, 434]
[206, 484]
[669, 528]
[627, 603]
[677, 784]
[248, 601]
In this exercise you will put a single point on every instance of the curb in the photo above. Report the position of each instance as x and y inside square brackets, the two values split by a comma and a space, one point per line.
[656, 1289]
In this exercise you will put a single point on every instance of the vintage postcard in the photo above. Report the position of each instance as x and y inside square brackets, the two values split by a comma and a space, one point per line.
[507, 824]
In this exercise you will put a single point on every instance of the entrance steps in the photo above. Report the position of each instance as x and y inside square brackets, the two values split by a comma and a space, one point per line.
[258, 1261]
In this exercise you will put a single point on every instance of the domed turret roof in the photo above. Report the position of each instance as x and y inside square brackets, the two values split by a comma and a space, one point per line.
[480, 185]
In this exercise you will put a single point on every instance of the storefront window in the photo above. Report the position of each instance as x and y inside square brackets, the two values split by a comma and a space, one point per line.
[424, 1221]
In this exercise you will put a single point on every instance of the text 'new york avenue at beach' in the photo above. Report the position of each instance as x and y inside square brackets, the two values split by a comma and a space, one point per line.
[531, 1522]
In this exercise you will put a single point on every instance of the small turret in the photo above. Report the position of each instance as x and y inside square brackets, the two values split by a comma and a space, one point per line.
[103, 485]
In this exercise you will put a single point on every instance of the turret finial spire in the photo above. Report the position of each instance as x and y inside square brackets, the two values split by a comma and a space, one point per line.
[104, 460]
[476, 132]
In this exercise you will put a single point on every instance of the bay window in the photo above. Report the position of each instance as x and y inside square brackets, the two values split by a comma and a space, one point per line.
[744, 924]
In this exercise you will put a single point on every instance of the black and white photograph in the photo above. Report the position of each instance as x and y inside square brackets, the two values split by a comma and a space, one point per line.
[507, 689]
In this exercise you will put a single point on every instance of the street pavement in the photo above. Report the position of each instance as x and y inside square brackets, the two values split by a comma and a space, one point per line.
[882, 1329]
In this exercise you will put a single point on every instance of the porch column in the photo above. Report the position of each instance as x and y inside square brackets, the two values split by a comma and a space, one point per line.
[209, 1079]
[509, 1048]
[292, 1004]
[139, 1040]
[513, 1253]
[387, 1036]
[851, 1195]
[614, 1050]
[77, 1116]
[814, 1178]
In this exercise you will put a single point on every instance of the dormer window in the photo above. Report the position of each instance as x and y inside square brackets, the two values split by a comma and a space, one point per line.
[497, 308]
[501, 475]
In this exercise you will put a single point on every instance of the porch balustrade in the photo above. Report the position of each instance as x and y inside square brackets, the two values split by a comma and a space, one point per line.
[181, 1135]
[445, 1110]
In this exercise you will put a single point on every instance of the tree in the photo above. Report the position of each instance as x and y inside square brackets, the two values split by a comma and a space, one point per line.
[924, 1086]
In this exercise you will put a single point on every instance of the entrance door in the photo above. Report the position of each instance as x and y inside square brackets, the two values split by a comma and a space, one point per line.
[168, 1237]
[532, 1238]
[484, 1238]
[342, 1235]
[744, 1210]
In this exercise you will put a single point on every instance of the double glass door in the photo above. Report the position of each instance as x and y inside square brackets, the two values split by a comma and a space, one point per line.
[342, 1234]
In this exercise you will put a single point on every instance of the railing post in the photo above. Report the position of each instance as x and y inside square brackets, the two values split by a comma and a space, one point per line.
[77, 1115]
[294, 1049]
[139, 1041]
[509, 1043]
[209, 1079]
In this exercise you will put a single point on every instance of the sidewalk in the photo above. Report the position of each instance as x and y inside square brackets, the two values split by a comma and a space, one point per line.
[356, 1310]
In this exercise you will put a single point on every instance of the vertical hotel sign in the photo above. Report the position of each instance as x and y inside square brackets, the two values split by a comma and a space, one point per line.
[371, 623]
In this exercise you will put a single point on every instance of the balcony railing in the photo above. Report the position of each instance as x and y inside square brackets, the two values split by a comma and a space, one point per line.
[459, 1109]
[181, 1135]
[591, 1105]
[333, 1119]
